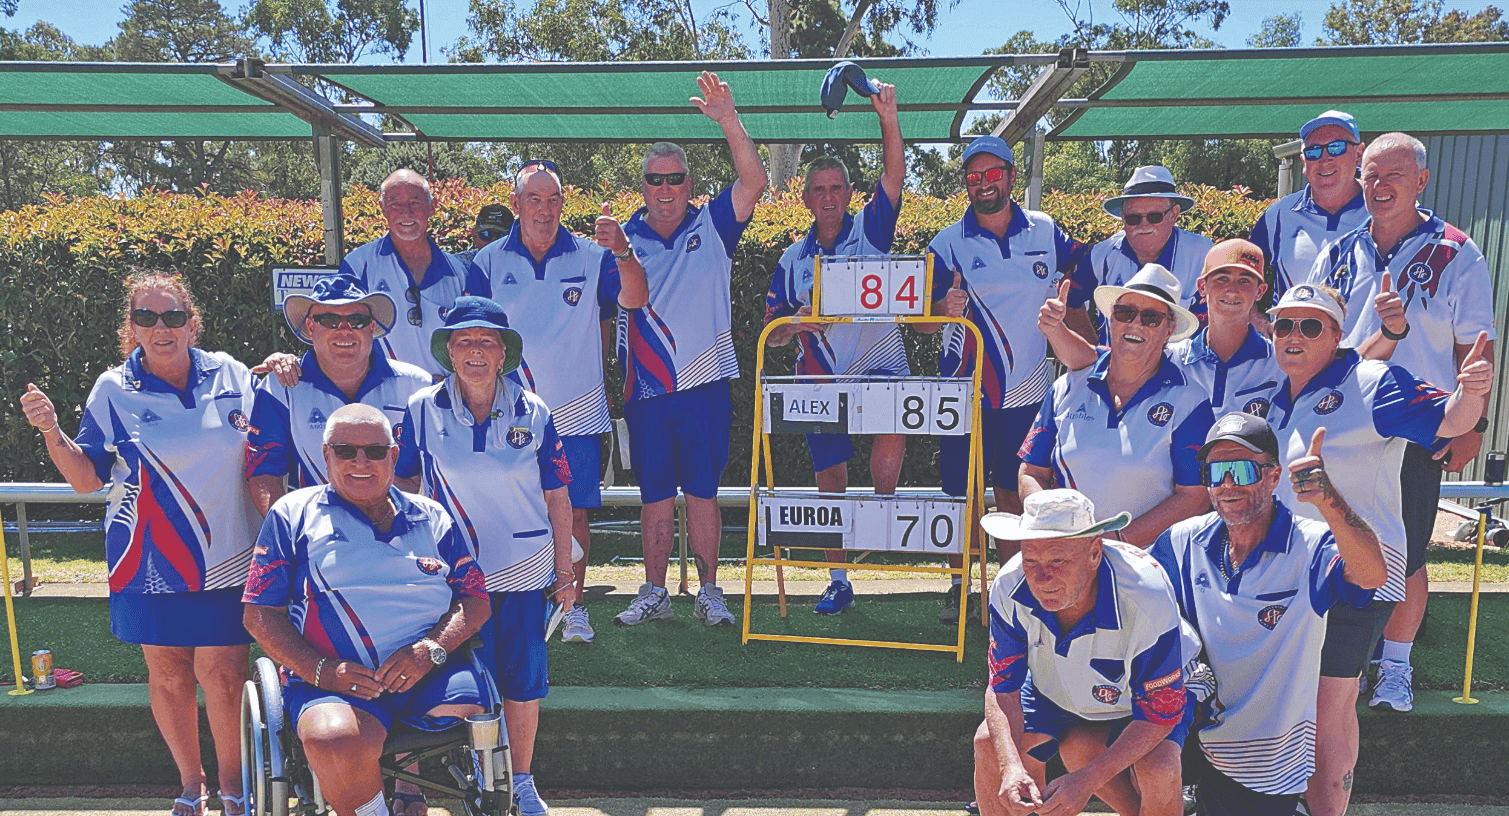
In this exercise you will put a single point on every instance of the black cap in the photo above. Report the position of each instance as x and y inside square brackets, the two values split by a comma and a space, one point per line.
[495, 219]
[1251, 432]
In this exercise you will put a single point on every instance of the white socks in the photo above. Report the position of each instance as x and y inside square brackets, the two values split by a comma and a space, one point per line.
[838, 575]
[1397, 652]
[376, 807]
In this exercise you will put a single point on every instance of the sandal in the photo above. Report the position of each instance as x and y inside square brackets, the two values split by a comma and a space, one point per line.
[226, 800]
[195, 806]
[403, 800]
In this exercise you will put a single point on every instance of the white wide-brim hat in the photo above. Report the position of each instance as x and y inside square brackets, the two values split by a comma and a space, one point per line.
[1058, 513]
[339, 289]
[1157, 282]
[1151, 181]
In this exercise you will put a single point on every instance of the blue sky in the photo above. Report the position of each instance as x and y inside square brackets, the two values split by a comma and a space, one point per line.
[969, 28]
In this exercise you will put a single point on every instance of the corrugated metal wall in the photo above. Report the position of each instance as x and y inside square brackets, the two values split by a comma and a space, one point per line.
[1469, 187]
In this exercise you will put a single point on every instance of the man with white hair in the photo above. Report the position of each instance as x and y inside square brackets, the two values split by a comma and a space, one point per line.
[1432, 294]
[677, 353]
[1148, 208]
[408, 260]
[1088, 659]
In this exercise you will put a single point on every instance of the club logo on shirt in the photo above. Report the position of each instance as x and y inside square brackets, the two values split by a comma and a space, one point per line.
[693, 243]
[1040, 269]
[316, 418]
[1269, 616]
[239, 421]
[978, 264]
[1203, 580]
[572, 296]
[1081, 413]
[1257, 407]
[1107, 694]
[519, 436]
[510, 280]
[1160, 414]
[429, 566]
[382, 286]
[1329, 403]
[1418, 272]
[149, 418]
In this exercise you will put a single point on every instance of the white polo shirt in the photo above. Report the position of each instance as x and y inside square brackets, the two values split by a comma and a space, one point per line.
[683, 337]
[1114, 263]
[1294, 230]
[421, 310]
[1263, 623]
[1007, 280]
[1244, 383]
[558, 306]
[1439, 274]
[352, 592]
[287, 433]
[1369, 409]
[491, 476]
[1127, 460]
[1126, 657]
[845, 348]
[178, 517]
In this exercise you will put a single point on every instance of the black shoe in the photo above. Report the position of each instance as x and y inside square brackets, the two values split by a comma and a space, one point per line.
[949, 614]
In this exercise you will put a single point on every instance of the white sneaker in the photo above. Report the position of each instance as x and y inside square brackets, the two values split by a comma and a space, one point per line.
[1393, 690]
[527, 798]
[575, 628]
[710, 608]
[653, 603]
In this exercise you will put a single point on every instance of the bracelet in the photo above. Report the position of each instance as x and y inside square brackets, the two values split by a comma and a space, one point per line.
[1390, 335]
[46, 431]
[319, 667]
[628, 253]
[571, 573]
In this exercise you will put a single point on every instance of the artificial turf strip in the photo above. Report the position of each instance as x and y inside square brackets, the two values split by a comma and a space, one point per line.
[684, 653]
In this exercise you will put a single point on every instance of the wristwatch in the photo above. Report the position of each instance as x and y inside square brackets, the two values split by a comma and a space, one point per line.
[1482, 426]
[437, 652]
[628, 253]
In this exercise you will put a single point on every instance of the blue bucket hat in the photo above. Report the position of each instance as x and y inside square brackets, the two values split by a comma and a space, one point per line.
[993, 145]
[839, 79]
[472, 312]
[339, 289]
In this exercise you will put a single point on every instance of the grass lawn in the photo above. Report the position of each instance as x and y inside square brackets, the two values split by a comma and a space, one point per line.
[683, 653]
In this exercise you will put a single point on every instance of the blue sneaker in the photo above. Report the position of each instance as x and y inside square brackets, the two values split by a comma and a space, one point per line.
[836, 598]
[526, 797]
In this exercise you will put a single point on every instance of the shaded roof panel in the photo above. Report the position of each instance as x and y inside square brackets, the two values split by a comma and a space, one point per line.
[688, 128]
[267, 124]
[42, 84]
[1282, 121]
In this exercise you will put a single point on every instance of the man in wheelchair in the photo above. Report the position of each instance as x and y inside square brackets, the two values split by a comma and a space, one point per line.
[360, 592]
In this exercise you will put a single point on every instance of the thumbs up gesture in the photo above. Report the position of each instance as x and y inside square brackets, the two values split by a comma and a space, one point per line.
[608, 233]
[1389, 307]
[1050, 317]
[38, 409]
[1308, 473]
[957, 300]
[1476, 375]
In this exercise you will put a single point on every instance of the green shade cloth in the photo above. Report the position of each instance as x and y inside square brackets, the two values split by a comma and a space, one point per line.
[1283, 121]
[266, 124]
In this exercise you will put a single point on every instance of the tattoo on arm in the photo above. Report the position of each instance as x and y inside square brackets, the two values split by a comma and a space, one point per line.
[1346, 782]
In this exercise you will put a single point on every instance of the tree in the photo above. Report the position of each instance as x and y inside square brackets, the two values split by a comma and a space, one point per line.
[1146, 24]
[339, 31]
[1278, 31]
[1384, 22]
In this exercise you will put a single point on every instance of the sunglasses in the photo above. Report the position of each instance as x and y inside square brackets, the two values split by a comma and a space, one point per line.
[1152, 318]
[1133, 219]
[415, 315]
[374, 453]
[172, 318]
[1336, 148]
[1242, 472]
[991, 174]
[545, 163]
[657, 179]
[331, 320]
[1311, 327]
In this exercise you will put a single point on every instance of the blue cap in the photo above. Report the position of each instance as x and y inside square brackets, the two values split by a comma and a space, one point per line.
[994, 145]
[339, 289]
[1331, 117]
[472, 312]
[837, 82]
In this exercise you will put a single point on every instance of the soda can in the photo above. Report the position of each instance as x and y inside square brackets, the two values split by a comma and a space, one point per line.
[1493, 468]
[41, 669]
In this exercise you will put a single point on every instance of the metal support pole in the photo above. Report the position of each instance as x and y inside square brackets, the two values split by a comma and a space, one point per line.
[327, 156]
[1035, 138]
[25, 549]
[681, 539]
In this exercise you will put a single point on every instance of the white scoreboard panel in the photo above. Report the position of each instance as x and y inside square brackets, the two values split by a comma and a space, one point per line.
[871, 285]
[926, 407]
[922, 525]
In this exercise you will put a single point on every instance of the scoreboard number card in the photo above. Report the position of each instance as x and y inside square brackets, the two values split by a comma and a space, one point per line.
[805, 521]
[872, 286]
[859, 522]
[808, 408]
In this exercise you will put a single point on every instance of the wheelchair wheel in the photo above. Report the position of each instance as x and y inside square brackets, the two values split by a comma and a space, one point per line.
[464, 768]
[264, 736]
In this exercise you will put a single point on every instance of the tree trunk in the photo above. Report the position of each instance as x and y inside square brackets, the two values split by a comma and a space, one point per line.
[783, 157]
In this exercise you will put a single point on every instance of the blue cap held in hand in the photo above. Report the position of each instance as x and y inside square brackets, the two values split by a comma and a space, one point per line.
[837, 82]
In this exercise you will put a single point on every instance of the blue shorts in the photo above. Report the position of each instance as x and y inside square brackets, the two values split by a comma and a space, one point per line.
[513, 645]
[829, 450]
[1041, 715]
[1004, 430]
[584, 455]
[210, 617]
[681, 439]
[455, 683]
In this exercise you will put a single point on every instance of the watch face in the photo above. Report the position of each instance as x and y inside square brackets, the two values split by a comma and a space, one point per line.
[437, 654]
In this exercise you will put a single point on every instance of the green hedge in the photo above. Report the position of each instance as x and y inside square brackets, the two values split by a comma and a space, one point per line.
[62, 266]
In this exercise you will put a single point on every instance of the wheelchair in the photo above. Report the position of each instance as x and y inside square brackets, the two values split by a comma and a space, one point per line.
[278, 781]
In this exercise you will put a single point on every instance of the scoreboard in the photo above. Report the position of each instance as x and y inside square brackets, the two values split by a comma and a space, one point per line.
[913, 524]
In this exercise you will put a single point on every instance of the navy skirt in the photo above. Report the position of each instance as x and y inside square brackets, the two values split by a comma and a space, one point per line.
[207, 618]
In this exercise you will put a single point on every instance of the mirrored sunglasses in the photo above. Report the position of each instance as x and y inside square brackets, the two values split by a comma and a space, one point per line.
[1333, 149]
[1242, 472]
[172, 318]
[1311, 327]
[374, 453]
[657, 179]
[991, 174]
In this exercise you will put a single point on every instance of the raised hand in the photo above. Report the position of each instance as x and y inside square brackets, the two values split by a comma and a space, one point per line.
[717, 101]
[1389, 306]
[608, 233]
[1476, 376]
[38, 409]
[1308, 473]
[1050, 317]
[884, 102]
[957, 300]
